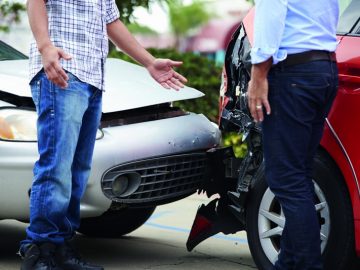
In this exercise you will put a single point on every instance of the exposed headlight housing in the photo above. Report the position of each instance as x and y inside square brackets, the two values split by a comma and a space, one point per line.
[20, 125]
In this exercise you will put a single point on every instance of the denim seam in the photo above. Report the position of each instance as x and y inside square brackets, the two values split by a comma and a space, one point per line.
[52, 143]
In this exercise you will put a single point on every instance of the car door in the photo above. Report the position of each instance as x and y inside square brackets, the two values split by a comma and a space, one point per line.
[342, 132]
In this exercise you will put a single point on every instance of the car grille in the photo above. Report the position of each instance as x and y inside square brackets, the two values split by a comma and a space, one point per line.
[163, 179]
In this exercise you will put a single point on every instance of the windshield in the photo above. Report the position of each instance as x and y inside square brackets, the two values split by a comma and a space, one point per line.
[349, 15]
[9, 53]
[343, 5]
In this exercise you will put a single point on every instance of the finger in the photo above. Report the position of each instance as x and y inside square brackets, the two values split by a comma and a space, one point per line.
[55, 78]
[50, 73]
[173, 85]
[64, 55]
[177, 82]
[259, 112]
[61, 72]
[165, 85]
[251, 103]
[61, 77]
[174, 63]
[267, 107]
[180, 77]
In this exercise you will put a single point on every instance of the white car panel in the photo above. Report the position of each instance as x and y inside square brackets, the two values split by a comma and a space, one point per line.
[120, 144]
[128, 86]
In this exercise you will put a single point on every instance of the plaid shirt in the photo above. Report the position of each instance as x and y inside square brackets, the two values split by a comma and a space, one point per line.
[79, 28]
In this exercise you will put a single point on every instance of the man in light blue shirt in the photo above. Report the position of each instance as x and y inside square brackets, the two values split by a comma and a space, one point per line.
[294, 82]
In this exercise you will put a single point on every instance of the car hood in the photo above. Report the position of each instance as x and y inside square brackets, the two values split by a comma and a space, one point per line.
[128, 86]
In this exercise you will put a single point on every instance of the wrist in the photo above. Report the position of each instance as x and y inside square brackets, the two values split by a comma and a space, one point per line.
[43, 46]
[260, 71]
[149, 61]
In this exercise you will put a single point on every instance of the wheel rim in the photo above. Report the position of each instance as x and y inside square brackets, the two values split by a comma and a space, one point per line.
[271, 221]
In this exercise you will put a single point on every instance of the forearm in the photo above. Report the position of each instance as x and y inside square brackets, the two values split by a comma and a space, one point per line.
[260, 71]
[38, 20]
[123, 39]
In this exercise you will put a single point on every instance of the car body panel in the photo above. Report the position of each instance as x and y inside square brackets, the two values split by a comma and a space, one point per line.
[357, 233]
[128, 86]
[341, 118]
[120, 144]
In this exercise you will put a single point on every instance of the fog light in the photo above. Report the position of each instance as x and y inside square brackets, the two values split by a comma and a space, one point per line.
[126, 184]
[120, 185]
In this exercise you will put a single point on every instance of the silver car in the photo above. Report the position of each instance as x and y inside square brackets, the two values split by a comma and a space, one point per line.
[147, 152]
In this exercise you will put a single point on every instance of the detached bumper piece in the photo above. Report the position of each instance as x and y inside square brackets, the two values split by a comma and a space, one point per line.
[212, 219]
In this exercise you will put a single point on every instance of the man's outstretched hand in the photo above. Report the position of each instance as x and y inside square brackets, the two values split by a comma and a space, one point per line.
[162, 71]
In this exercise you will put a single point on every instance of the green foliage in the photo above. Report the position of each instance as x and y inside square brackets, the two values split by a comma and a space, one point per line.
[202, 74]
[126, 7]
[10, 13]
[186, 17]
[234, 139]
[136, 28]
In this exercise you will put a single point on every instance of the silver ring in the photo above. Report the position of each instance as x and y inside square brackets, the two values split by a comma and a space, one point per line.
[258, 107]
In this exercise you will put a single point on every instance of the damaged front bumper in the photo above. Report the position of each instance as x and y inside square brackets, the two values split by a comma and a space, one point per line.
[231, 178]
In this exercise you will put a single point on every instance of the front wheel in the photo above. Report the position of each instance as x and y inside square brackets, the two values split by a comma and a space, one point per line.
[115, 223]
[265, 219]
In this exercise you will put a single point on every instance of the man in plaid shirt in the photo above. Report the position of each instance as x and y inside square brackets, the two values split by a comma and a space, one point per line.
[67, 81]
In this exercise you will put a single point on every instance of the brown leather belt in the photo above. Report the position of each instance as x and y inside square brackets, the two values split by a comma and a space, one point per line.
[308, 56]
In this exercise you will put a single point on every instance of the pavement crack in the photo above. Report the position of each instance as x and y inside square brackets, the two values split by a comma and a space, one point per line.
[211, 257]
[164, 265]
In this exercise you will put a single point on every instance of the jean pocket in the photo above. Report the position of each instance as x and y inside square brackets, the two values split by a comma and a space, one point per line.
[309, 82]
[72, 77]
[308, 95]
[309, 87]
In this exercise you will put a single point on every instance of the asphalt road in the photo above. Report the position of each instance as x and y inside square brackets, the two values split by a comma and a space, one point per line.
[158, 245]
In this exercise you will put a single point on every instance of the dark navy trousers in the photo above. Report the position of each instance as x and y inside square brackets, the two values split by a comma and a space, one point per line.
[300, 97]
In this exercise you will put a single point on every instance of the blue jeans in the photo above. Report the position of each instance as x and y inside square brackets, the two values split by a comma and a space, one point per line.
[68, 120]
[300, 97]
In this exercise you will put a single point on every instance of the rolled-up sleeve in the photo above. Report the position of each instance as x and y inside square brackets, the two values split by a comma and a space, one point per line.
[112, 11]
[269, 27]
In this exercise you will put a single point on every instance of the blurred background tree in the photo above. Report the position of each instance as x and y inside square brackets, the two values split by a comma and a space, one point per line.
[127, 7]
[9, 13]
[136, 28]
[184, 18]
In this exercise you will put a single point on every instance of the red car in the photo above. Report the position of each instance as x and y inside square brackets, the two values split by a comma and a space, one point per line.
[245, 200]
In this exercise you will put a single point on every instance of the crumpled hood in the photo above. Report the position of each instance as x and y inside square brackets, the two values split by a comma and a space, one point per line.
[128, 86]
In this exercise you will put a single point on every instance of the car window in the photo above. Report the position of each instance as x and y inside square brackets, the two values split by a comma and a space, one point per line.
[349, 15]
[9, 53]
[357, 29]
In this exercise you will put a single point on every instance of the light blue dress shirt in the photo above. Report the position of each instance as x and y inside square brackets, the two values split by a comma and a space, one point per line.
[285, 27]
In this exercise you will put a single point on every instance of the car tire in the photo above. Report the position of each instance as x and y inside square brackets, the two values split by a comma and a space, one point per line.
[336, 221]
[114, 224]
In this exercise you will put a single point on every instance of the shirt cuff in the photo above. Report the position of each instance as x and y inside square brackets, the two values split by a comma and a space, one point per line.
[259, 55]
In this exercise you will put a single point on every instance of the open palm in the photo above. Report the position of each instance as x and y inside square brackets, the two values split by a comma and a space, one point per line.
[162, 71]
